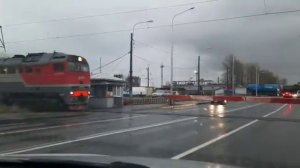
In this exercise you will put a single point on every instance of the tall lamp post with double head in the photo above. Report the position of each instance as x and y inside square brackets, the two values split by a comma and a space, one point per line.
[2, 39]
[172, 45]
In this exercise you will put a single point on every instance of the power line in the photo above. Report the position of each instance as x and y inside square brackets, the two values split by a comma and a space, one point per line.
[225, 19]
[156, 27]
[152, 46]
[146, 60]
[107, 14]
[152, 62]
[72, 36]
[110, 62]
[98, 74]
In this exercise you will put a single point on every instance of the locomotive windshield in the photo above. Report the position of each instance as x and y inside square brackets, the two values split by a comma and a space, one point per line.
[77, 63]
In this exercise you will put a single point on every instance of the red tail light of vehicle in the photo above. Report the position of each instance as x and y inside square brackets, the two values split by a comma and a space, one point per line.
[78, 93]
[287, 95]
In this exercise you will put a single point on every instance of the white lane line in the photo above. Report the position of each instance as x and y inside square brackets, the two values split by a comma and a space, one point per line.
[92, 122]
[232, 110]
[67, 125]
[197, 148]
[275, 111]
[100, 135]
[9, 125]
[242, 108]
[55, 155]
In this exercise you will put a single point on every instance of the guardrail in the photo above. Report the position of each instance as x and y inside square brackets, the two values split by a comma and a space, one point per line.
[237, 98]
[145, 100]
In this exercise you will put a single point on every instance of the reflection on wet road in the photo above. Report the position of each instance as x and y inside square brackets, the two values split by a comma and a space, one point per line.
[244, 134]
[216, 110]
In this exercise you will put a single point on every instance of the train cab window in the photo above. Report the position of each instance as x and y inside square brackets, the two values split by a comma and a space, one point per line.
[84, 67]
[72, 66]
[20, 69]
[28, 69]
[58, 67]
[75, 66]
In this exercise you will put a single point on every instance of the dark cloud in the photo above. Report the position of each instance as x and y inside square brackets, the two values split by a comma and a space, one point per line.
[272, 40]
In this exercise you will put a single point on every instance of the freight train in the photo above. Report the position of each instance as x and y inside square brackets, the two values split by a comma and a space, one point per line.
[44, 77]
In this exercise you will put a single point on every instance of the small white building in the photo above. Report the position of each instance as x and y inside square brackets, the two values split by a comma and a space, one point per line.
[106, 92]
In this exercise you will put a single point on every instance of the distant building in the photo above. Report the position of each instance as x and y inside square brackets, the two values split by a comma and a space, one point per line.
[121, 76]
[136, 81]
[207, 87]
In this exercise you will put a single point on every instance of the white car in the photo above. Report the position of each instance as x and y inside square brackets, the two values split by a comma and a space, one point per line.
[297, 94]
[161, 93]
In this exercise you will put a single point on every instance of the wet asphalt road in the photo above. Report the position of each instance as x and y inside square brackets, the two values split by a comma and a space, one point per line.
[243, 134]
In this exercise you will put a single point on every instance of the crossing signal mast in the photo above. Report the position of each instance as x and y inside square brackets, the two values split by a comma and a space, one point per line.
[2, 40]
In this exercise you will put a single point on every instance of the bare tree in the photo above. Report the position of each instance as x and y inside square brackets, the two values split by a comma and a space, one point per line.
[238, 70]
[245, 73]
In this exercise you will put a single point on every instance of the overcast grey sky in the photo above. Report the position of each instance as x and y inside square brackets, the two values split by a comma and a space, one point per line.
[273, 41]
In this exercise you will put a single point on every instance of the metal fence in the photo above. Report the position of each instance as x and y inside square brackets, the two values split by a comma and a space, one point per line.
[145, 100]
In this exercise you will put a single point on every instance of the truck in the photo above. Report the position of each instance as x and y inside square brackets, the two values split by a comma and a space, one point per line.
[264, 89]
[142, 91]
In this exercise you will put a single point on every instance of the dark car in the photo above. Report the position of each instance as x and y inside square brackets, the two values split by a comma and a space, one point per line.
[218, 102]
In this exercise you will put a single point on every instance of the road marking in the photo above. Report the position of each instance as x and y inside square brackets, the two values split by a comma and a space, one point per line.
[178, 107]
[92, 122]
[197, 148]
[274, 111]
[67, 125]
[242, 108]
[99, 135]
[232, 110]
[9, 125]
[56, 155]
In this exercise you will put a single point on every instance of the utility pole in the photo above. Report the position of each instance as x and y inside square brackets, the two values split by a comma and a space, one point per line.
[2, 40]
[256, 80]
[130, 69]
[162, 74]
[227, 77]
[131, 53]
[100, 65]
[198, 81]
[148, 77]
[233, 89]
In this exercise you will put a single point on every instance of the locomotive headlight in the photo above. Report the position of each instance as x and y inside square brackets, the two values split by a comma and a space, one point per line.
[89, 92]
[71, 93]
[79, 59]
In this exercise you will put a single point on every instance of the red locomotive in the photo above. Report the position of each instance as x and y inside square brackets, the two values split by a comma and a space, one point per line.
[45, 76]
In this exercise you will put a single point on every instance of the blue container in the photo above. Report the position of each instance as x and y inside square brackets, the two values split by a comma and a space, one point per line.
[264, 89]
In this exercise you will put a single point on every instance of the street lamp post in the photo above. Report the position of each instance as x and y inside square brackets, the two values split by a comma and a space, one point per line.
[256, 79]
[196, 75]
[2, 39]
[131, 53]
[198, 81]
[258, 72]
[232, 82]
[172, 46]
